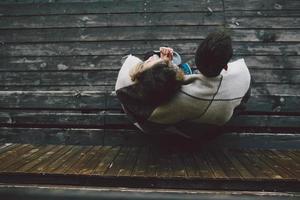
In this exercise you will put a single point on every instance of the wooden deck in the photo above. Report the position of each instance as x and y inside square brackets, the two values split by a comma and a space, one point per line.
[150, 166]
[61, 123]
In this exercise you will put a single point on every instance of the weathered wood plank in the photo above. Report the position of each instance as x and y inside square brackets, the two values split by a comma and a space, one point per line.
[58, 100]
[37, 161]
[109, 7]
[40, 167]
[106, 161]
[142, 33]
[10, 150]
[278, 169]
[177, 164]
[226, 165]
[108, 20]
[66, 63]
[128, 47]
[261, 5]
[214, 165]
[96, 101]
[107, 119]
[287, 162]
[152, 167]
[262, 13]
[16, 155]
[279, 140]
[73, 160]
[62, 161]
[141, 162]
[129, 163]
[29, 157]
[253, 156]
[263, 22]
[102, 78]
[241, 169]
[251, 167]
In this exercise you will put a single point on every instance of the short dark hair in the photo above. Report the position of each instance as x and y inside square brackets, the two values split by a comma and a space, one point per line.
[159, 83]
[214, 53]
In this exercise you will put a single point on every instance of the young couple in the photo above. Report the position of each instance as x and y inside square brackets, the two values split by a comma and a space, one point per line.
[158, 97]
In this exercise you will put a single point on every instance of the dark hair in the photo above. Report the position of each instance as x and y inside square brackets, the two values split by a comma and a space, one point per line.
[214, 53]
[159, 83]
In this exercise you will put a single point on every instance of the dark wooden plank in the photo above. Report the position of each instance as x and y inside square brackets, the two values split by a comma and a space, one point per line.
[7, 147]
[253, 156]
[11, 149]
[137, 47]
[90, 78]
[62, 118]
[101, 100]
[56, 100]
[164, 162]
[177, 164]
[40, 168]
[88, 168]
[262, 155]
[203, 167]
[294, 155]
[106, 161]
[38, 160]
[108, 7]
[263, 22]
[61, 63]
[60, 161]
[29, 157]
[151, 170]
[238, 165]
[141, 165]
[283, 89]
[73, 160]
[261, 5]
[286, 162]
[262, 13]
[18, 156]
[115, 166]
[190, 165]
[96, 78]
[108, 20]
[66, 63]
[66, 160]
[249, 165]
[257, 140]
[84, 163]
[142, 33]
[8, 158]
[225, 164]
[129, 163]
[214, 165]
[258, 120]
[105, 119]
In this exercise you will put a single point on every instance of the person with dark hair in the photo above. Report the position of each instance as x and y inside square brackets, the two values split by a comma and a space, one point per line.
[208, 101]
[144, 85]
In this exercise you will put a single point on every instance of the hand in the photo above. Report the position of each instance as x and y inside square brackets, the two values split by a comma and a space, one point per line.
[166, 53]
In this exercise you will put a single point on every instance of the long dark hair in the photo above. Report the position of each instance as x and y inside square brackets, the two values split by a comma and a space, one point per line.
[158, 83]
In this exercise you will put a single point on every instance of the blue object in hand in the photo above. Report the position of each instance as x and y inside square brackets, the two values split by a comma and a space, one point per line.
[186, 68]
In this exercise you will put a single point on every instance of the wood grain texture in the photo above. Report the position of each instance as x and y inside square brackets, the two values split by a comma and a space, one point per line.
[108, 7]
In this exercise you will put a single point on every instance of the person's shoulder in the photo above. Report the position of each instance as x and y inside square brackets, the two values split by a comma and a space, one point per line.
[130, 59]
[238, 63]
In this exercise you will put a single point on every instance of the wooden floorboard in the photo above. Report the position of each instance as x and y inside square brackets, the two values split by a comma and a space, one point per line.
[41, 164]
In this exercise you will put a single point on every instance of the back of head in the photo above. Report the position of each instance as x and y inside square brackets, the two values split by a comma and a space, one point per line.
[158, 83]
[214, 53]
